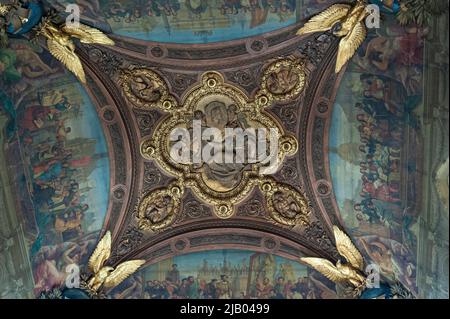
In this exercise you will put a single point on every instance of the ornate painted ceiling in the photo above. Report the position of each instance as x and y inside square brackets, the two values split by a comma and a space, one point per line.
[362, 149]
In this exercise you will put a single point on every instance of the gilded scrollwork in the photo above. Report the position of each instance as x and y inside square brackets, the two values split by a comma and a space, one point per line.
[216, 104]
[286, 205]
[146, 89]
[160, 207]
[282, 81]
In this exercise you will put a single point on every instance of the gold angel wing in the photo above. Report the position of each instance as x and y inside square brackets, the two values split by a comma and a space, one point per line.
[349, 44]
[87, 34]
[101, 253]
[325, 20]
[67, 57]
[326, 268]
[346, 248]
[122, 271]
[4, 9]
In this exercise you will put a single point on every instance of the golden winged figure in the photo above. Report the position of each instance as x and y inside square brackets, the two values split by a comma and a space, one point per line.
[4, 9]
[61, 46]
[105, 276]
[349, 273]
[347, 22]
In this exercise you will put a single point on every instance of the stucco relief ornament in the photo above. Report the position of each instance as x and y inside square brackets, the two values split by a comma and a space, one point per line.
[282, 81]
[353, 273]
[346, 22]
[285, 204]
[160, 207]
[349, 274]
[146, 89]
[60, 43]
[214, 104]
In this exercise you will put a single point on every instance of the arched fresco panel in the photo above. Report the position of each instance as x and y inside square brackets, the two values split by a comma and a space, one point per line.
[56, 164]
[195, 21]
[226, 273]
[376, 146]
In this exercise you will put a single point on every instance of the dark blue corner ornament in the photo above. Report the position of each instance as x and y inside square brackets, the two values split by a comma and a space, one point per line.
[386, 290]
[373, 293]
[387, 6]
[65, 293]
[28, 22]
[75, 293]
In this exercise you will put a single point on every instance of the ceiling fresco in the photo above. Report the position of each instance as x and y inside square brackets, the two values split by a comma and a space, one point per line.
[204, 275]
[58, 151]
[84, 165]
[116, 135]
[196, 21]
[374, 148]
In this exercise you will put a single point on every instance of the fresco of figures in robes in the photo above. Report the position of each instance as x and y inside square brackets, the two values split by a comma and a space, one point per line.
[55, 166]
[199, 21]
[375, 149]
[191, 21]
[226, 274]
[56, 160]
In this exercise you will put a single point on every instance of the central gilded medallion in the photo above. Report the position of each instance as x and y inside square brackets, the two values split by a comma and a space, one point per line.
[215, 104]
[220, 144]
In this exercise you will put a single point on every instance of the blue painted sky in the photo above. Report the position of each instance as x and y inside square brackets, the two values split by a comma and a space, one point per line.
[160, 34]
[89, 126]
[345, 175]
